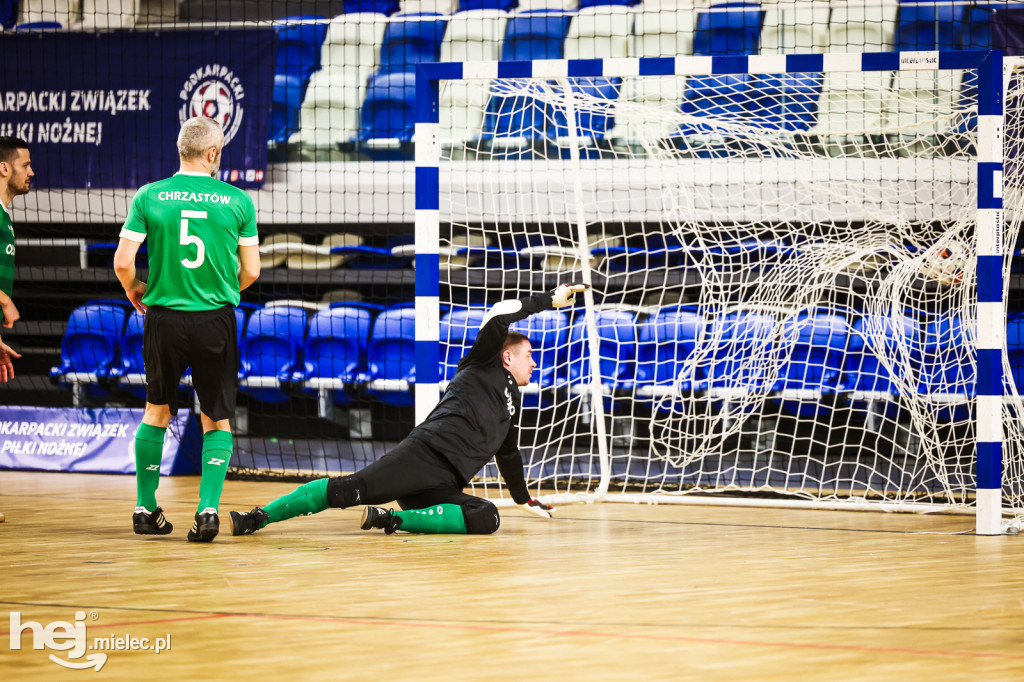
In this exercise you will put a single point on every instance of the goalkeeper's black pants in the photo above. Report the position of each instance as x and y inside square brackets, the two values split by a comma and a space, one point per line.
[416, 477]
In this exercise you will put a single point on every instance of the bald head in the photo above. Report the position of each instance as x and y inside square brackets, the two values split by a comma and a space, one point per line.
[197, 136]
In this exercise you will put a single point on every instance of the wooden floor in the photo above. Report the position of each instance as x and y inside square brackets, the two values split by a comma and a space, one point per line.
[605, 592]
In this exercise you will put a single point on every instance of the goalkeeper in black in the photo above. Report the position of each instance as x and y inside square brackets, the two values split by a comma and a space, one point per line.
[476, 419]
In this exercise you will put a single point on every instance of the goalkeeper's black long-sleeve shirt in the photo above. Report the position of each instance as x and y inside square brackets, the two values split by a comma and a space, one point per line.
[478, 416]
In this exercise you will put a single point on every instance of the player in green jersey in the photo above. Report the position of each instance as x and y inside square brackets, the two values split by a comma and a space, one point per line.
[203, 250]
[15, 177]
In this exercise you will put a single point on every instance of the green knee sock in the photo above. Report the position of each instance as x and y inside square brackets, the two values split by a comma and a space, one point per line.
[308, 498]
[149, 449]
[217, 446]
[441, 518]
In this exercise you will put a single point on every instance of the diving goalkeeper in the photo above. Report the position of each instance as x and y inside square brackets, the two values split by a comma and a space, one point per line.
[475, 420]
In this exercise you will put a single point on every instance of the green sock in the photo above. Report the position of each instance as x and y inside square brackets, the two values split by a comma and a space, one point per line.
[441, 518]
[149, 450]
[217, 446]
[308, 498]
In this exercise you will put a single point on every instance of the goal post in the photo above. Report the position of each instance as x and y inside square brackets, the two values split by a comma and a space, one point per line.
[754, 228]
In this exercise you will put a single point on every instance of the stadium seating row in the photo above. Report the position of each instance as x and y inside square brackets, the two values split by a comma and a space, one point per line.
[371, 349]
[364, 90]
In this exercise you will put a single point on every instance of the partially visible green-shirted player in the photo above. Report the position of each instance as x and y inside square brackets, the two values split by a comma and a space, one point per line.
[203, 250]
[15, 177]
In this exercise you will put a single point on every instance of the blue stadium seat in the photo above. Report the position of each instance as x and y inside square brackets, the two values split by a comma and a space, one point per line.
[530, 35]
[388, 116]
[298, 57]
[8, 13]
[285, 107]
[299, 39]
[548, 332]
[39, 26]
[864, 377]
[537, 34]
[734, 31]
[592, 127]
[617, 336]
[385, 258]
[814, 365]
[737, 338]
[506, 5]
[335, 350]
[132, 372]
[375, 6]
[947, 375]
[665, 341]
[271, 351]
[787, 101]
[655, 251]
[597, 3]
[410, 39]
[91, 347]
[391, 356]
[458, 332]
[928, 26]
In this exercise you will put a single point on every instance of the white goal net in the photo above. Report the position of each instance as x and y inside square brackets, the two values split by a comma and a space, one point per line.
[784, 281]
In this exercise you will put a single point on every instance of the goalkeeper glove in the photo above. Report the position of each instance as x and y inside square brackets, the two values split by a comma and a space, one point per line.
[565, 294]
[538, 508]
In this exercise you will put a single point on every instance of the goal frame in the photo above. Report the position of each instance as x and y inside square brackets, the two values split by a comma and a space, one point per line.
[990, 292]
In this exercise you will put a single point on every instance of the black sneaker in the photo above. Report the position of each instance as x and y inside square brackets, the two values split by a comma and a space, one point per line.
[147, 522]
[205, 527]
[248, 523]
[379, 517]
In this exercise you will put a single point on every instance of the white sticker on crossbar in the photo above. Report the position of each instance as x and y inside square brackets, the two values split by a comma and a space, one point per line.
[622, 66]
[479, 70]
[551, 68]
[841, 61]
[919, 61]
[766, 63]
[693, 65]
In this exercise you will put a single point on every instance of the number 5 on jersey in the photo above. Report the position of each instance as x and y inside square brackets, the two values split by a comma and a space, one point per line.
[188, 239]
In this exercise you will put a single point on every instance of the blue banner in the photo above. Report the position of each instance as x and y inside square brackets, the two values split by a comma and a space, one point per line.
[85, 440]
[103, 110]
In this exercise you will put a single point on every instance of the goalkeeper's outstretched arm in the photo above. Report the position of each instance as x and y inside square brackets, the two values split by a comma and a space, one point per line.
[495, 326]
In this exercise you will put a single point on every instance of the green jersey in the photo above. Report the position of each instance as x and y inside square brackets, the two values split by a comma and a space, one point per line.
[6, 251]
[195, 224]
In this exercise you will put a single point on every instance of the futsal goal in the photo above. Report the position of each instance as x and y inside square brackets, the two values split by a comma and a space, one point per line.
[799, 269]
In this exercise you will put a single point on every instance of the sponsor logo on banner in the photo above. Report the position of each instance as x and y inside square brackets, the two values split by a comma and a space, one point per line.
[216, 92]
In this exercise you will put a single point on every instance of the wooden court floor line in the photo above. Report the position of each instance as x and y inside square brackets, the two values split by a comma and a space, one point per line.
[534, 631]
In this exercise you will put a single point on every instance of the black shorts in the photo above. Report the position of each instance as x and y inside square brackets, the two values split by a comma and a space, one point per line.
[206, 341]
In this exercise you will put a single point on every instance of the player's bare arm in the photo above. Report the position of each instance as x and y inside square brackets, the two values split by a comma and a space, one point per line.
[248, 265]
[10, 311]
[124, 268]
